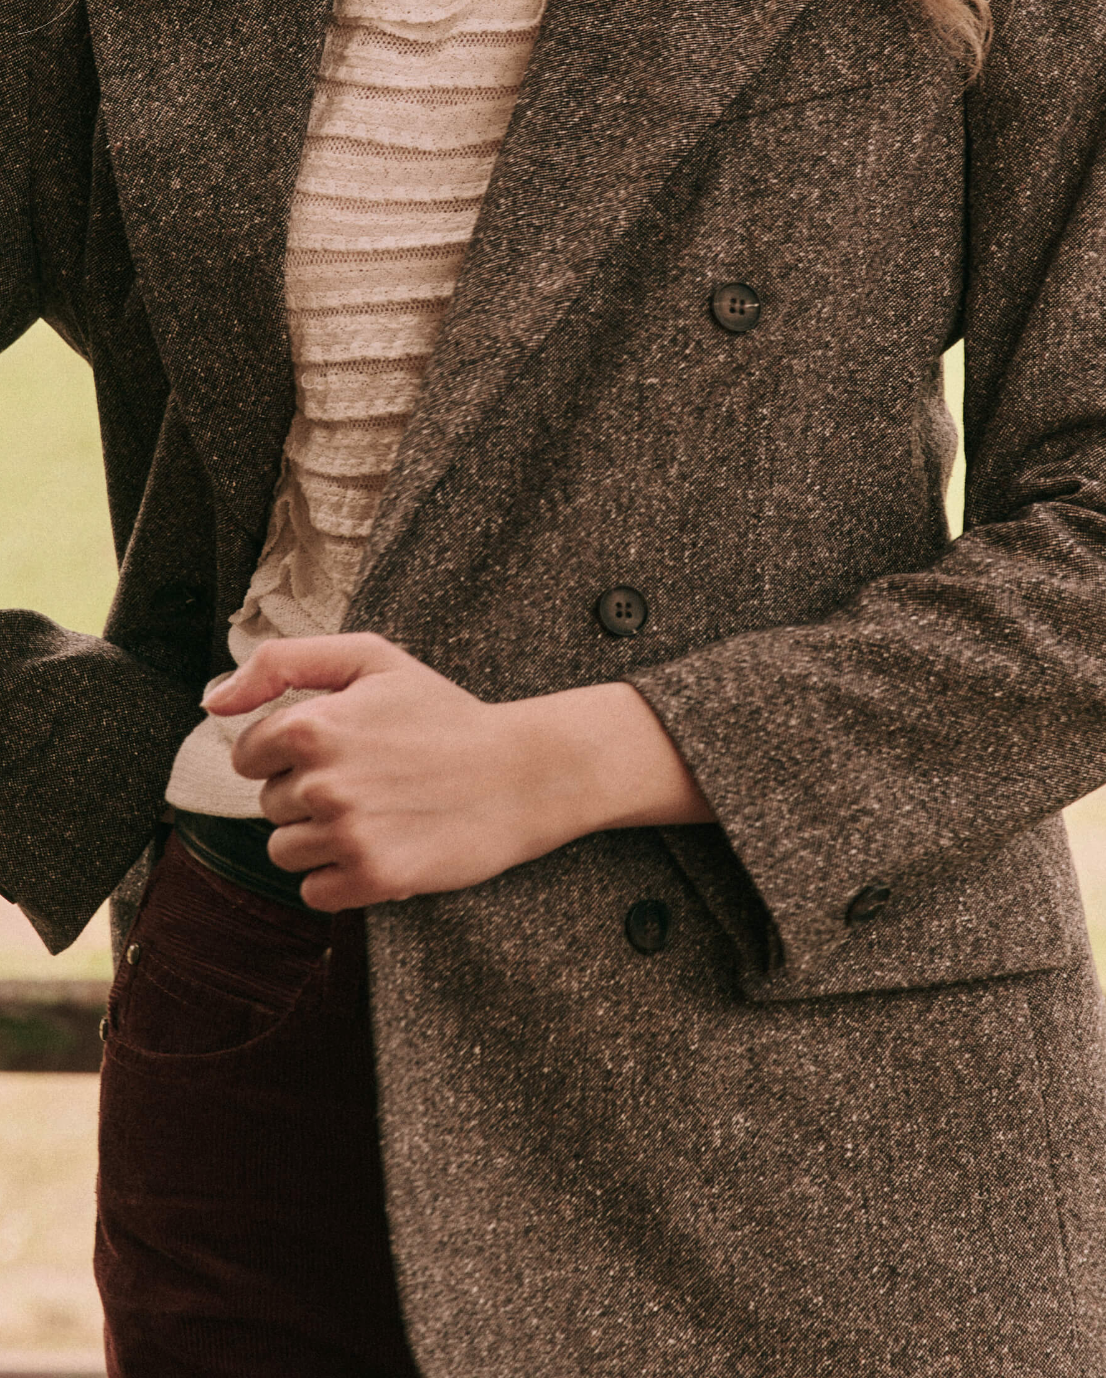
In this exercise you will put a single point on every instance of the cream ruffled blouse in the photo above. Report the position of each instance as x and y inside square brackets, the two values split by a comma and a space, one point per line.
[410, 107]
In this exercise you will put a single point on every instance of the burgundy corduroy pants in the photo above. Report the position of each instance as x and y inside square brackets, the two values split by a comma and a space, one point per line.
[240, 1225]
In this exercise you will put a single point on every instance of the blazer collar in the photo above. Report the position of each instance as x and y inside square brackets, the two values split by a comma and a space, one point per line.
[206, 105]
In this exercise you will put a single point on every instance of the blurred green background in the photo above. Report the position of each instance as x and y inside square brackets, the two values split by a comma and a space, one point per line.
[56, 556]
[55, 553]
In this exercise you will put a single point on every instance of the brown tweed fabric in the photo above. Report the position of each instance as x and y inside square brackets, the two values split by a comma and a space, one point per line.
[787, 1145]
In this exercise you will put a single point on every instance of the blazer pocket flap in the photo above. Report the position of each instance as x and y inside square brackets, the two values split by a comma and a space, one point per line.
[1017, 909]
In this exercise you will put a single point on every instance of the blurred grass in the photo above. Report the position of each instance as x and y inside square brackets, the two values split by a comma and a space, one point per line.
[56, 556]
[23, 955]
[49, 1306]
[56, 552]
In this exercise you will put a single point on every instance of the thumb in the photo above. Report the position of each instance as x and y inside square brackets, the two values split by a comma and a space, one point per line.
[306, 662]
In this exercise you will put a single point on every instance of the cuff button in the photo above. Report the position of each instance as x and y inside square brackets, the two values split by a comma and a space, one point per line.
[867, 903]
[647, 924]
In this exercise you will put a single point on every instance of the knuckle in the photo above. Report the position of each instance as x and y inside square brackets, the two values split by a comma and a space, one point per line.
[242, 756]
[302, 733]
[340, 799]
[352, 844]
[318, 893]
[317, 795]
[277, 848]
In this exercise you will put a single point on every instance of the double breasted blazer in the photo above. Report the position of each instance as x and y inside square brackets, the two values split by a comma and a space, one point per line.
[849, 1115]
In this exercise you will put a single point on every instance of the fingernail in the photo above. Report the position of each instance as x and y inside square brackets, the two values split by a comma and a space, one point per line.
[219, 691]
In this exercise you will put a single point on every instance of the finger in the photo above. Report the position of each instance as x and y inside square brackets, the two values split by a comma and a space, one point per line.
[287, 738]
[301, 847]
[307, 662]
[261, 752]
[334, 888]
[282, 802]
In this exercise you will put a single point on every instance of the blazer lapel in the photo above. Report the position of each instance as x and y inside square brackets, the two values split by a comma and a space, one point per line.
[613, 98]
[206, 105]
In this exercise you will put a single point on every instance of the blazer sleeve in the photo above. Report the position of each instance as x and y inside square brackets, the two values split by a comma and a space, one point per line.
[19, 307]
[81, 720]
[945, 710]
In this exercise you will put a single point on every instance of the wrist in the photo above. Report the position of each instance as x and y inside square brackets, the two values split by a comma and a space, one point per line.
[638, 775]
[598, 757]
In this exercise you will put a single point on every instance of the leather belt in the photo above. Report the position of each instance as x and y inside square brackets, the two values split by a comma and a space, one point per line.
[235, 848]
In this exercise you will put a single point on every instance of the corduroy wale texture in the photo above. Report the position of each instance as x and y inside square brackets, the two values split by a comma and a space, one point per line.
[786, 1144]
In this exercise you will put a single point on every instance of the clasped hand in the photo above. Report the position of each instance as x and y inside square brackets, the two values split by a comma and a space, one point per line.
[399, 782]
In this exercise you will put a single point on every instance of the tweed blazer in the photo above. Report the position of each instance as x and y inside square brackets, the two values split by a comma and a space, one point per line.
[851, 1118]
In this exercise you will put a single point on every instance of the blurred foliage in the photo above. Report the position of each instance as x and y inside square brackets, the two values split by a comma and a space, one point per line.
[50, 1038]
[56, 553]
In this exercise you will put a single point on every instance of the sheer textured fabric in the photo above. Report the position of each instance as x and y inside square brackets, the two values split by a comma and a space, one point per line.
[410, 108]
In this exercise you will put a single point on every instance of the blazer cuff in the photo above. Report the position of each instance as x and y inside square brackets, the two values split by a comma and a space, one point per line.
[88, 734]
[806, 862]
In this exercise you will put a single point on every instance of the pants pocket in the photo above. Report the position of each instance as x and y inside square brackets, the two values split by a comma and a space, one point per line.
[210, 967]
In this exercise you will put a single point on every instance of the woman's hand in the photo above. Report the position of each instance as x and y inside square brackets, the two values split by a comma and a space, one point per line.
[400, 782]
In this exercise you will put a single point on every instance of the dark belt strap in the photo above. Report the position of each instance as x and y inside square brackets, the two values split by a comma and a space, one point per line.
[235, 848]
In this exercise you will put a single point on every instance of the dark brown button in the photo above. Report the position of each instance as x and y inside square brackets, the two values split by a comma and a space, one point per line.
[736, 306]
[647, 924]
[133, 953]
[622, 610]
[105, 1025]
[867, 903]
